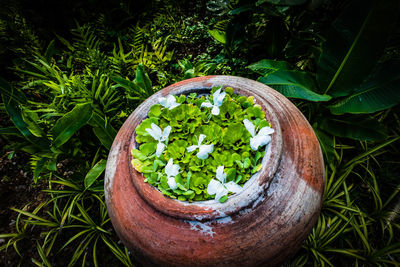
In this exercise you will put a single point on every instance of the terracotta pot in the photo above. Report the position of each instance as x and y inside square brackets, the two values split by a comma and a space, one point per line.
[264, 224]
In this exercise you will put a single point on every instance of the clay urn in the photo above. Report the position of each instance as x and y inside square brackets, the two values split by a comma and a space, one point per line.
[263, 225]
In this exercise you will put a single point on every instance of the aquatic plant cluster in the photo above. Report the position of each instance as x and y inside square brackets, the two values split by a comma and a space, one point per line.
[198, 148]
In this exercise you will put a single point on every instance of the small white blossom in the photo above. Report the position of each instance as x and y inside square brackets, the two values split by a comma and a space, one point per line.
[159, 136]
[218, 98]
[168, 102]
[260, 139]
[172, 170]
[204, 150]
[219, 187]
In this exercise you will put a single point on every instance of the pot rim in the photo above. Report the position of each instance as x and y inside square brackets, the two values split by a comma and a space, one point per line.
[254, 190]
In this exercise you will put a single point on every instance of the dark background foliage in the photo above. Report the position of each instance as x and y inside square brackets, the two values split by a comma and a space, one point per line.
[72, 71]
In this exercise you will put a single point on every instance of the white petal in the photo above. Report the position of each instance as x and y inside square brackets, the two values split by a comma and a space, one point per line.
[166, 133]
[266, 131]
[169, 165]
[155, 131]
[174, 105]
[221, 191]
[204, 150]
[263, 139]
[215, 110]
[201, 139]
[220, 98]
[160, 149]
[175, 170]
[191, 148]
[213, 186]
[216, 94]
[250, 127]
[206, 104]
[171, 102]
[172, 184]
[259, 140]
[220, 174]
[233, 187]
[162, 101]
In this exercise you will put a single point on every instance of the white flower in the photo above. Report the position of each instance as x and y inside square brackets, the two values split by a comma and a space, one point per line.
[219, 187]
[262, 138]
[218, 97]
[168, 102]
[172, 170]
[159, 136]
[204, 150]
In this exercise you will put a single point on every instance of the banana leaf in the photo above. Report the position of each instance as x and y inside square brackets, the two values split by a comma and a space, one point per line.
[379, 92]
[296, 84]
[354, 45]
[353, 127]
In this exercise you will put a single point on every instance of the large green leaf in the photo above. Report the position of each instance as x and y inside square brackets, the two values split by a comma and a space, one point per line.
[11, 93]
[103, 131]
[95, 172]
[71, 122]
[282, 2]
[354, 44]
[266, 66]
[143, 80]
[218, 35]
[327, 145]
[379, 92]
[15, 112]
[296, 84]
[354, 128]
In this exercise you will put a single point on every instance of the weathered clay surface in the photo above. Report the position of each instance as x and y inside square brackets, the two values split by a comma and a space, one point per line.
[263, 225]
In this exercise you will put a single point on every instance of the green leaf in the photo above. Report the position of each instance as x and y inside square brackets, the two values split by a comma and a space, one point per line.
[266, 66]
[94, 173]
[327, 145]
[103, 131]
[296, 84]
[30, 119]
[354, 44]
[155, 110]
[10, 131]
[126, 84]
[282, 2]
[354, 128]
[218, 35]
[234, 133]
[50, 50]
[11, 93]
[71, 122]
[38, 168]
[241, 9]
[143, 80]
[14, 110]
[379, 92]
[141, 129]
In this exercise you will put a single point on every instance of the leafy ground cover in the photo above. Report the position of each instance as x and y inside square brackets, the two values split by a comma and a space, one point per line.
[70, 77]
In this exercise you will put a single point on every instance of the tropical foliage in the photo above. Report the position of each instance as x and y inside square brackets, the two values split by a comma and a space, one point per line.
[68, 86]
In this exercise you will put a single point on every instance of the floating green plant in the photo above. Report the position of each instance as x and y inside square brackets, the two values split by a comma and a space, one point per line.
[199, 148]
